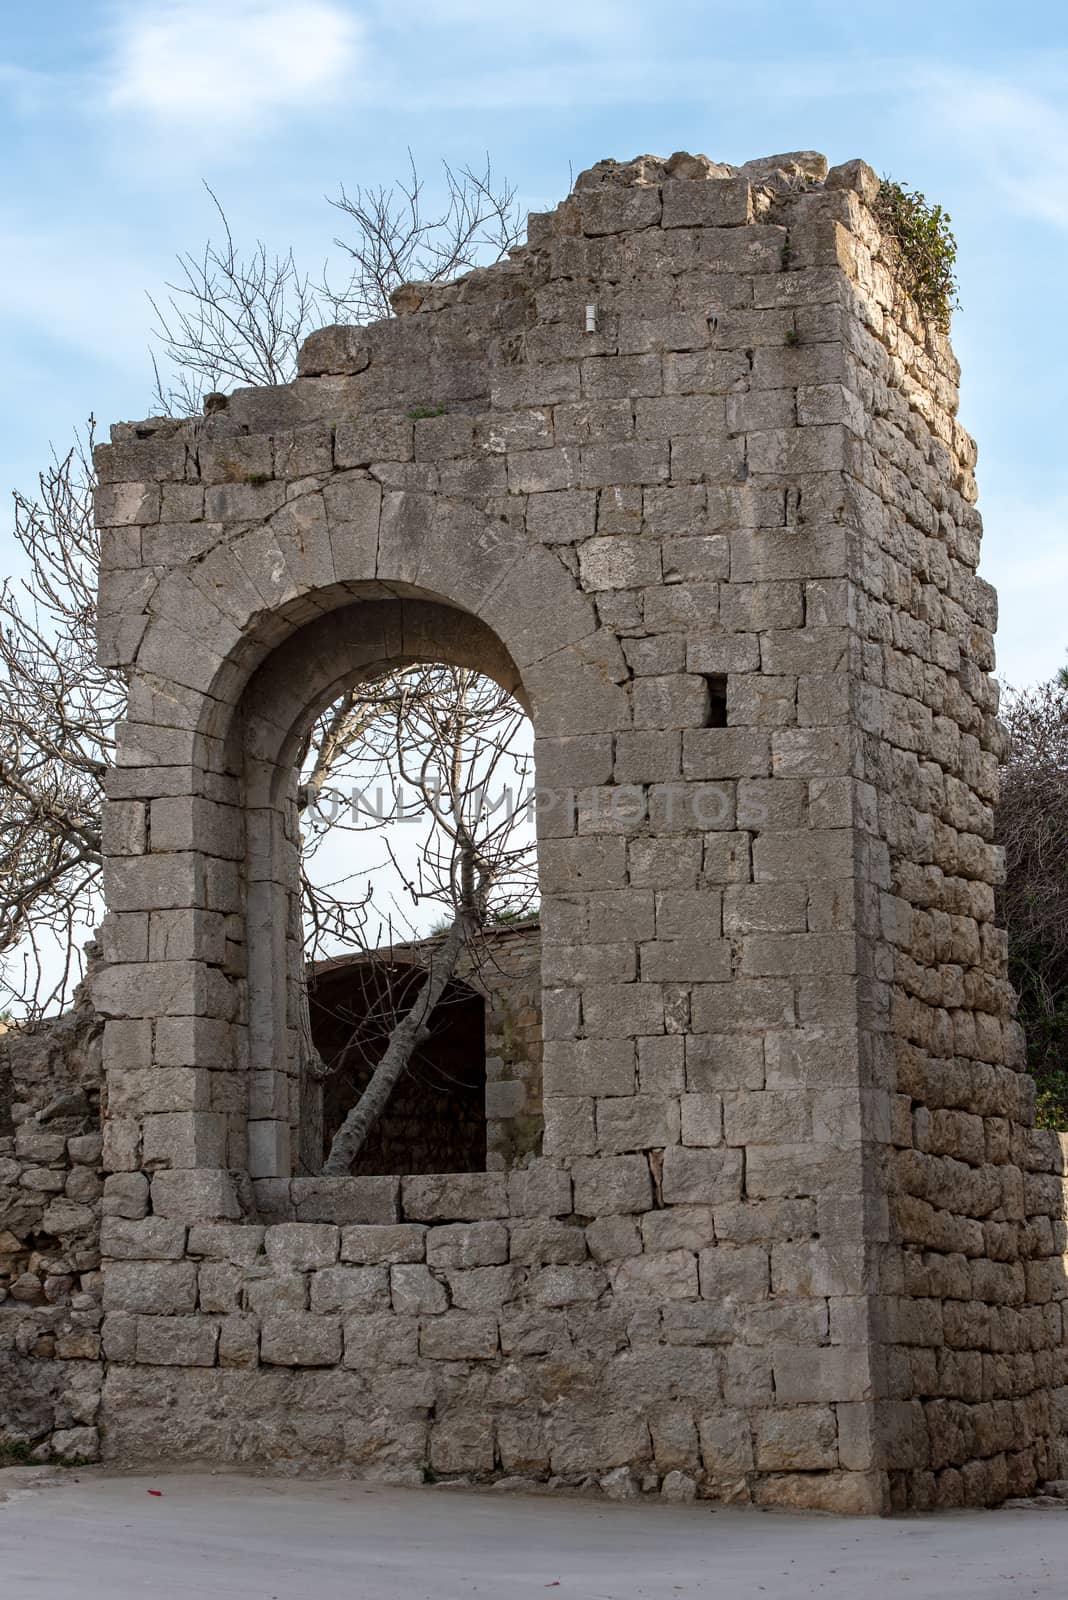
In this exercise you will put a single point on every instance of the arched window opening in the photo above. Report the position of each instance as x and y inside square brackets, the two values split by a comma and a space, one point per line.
[414, 827]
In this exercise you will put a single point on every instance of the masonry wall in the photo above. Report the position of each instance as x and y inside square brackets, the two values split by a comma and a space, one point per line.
[773, 1201]
[970, 1273]
[50, 1202]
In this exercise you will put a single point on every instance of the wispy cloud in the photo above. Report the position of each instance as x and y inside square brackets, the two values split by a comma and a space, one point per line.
[1014, 130]
[22, 89]
[191, 61]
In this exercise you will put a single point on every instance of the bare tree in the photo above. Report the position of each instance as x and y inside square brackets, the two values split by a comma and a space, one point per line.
[396, 240]
[229, 318]
[1033, 827]
[58, 709]
[455, 747]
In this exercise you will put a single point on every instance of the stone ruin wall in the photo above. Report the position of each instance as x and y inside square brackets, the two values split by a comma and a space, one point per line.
[793, 1238]
[51, 1183]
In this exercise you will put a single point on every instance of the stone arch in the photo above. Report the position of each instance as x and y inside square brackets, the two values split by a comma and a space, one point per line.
[271, 604]
[336, 582]
[335, 650]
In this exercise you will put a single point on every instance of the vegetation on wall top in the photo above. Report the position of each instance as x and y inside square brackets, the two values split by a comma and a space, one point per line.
[924, 248]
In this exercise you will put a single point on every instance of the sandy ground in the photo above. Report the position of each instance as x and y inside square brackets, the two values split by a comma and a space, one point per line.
[228, 1537]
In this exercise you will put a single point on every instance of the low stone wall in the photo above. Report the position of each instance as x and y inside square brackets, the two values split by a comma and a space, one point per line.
[482, 1324]
[51, 1185]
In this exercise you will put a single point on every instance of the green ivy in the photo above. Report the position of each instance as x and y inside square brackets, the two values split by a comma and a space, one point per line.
[926, 250]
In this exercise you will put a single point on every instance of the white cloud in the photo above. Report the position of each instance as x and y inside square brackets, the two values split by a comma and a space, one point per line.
[191, 61]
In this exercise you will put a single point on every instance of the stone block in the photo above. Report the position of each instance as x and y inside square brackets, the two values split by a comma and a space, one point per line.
[541, 1189]
[177, 1341]
[183, 1139]
[484, 1289]
[707, 203]
[150, 1239]
[462, 1443]
[219, 1286]
[701, 1177]
[537, 1242]
[239, 1341]
[670, 1276]
[636, 1122]
[467, 1244]
[567, 1285]
[702, 1119]
[617, 209]
[695, 960]
[612, 1185]
[762, 1117]
[126, 1195]
[155, 1287]
[459, 1336]
[726, 1446]
[456, 1196]
[612, 1239]
[346, 1200]
[725, 753]
[589, 1066]
[804, 1439]
[383, 1243]
[738, 1271]
[282, 1290]
[620, 1011]
[569, 1126]
[829, 1374]
[302, 1245]
[349, 1289]
[300, 1339]
[382, 1338]
[240, 1243]
[618, 562]
[415, 1291]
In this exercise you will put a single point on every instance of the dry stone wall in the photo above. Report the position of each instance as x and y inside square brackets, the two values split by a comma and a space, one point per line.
[51, 1185]
[685, 474]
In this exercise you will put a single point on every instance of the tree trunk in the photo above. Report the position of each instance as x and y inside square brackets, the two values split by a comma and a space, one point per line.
[403, 1041]
[312, 1072]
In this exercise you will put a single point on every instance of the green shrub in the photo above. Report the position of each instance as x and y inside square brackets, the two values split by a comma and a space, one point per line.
[924, 250]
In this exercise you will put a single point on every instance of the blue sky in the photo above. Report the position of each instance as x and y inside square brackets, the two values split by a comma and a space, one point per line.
[112, 114]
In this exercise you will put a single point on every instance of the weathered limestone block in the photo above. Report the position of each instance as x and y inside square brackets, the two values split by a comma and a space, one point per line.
[414, 1291]
[151, 1286]
[473, 1244]
[301, 1245]
[458, 1336]
[176, 1341]
[383, 1244]
[349, 1289]
[464, 1196]
[300, 1339]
